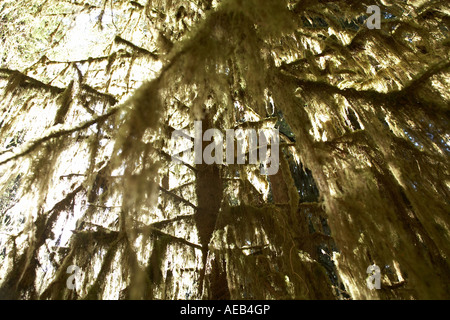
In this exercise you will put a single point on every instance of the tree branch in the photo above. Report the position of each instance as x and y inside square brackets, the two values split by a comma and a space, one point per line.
[136, 48]
[178, 198]
[30, 146]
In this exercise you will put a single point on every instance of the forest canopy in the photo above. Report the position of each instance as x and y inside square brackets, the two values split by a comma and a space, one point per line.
[92, 205]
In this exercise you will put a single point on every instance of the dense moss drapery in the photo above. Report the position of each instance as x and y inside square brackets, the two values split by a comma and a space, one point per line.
[91, 92]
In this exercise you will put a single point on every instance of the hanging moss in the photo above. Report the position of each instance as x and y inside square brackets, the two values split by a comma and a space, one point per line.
[363, 120]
